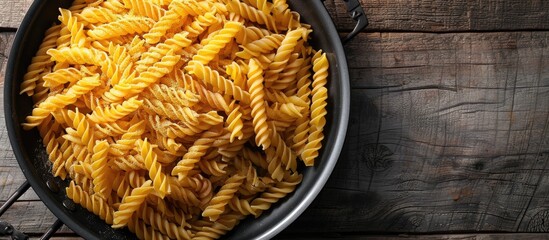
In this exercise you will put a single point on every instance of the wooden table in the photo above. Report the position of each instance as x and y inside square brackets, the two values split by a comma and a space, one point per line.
[448, 136]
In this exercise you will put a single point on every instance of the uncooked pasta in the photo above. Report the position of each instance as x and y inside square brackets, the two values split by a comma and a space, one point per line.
[177, 119]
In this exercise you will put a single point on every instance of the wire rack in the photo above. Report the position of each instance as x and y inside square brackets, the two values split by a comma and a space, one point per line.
[6, 229]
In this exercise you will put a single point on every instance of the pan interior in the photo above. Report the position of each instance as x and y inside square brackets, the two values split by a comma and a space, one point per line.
[33, 160]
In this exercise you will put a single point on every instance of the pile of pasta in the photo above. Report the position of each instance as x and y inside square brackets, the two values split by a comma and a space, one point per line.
[178, 118]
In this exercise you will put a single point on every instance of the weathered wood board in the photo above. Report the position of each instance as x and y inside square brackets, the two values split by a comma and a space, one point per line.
[402, 15]
[12, 12]
[449, 133]
[446, 16]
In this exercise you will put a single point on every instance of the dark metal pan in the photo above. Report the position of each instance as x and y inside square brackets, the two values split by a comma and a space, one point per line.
[32, 158]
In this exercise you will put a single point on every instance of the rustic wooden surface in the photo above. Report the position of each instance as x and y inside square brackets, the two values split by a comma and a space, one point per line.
[449, 132]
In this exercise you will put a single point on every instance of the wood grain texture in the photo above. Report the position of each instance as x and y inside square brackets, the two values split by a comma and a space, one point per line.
[6, 39]
[402, 15]
[446, 16]
[12, 12]
[450, 134]
[11, 176]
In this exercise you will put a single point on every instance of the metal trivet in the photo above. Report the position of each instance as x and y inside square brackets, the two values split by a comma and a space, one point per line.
[6, 229]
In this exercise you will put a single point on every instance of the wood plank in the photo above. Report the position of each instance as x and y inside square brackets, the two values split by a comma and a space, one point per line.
[403, 15]
[6, 40]
[446, 16]
[449, 133]
[11, 176]
[32, 218]
[12, 12]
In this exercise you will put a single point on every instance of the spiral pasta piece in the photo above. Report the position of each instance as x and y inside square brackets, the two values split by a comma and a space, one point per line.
[283, 55]
[164, 23]
[144, 231]
[255, 81]
[127, 140]
[276, 192]
[194, 154]
[252, 14]
[241, 206]
[175, 130]
[40, 62]
[120, 27]
[288, 77]
[78, 55]
[218, 82]
[159, 222]
[130, 204]
[225, 223]
[93, 204]
[219, 41]
[144, 8]
[101, 173]
[120, 67]
[237, 73]
[115, 111]
[94, 15]
[213, 167]
[318, 109]
[76, 29]
[217, 205]
[160, 181]
[175, 44]
[174, 95]
[80, 133]
[261, 46]
[262, 5]
[129, 163]
[62, 76]
[173, 112]
[153, 73]
[303, 92]
[58, 101]
[213, 99]
[234, 122]
[183, 193]
[199, 25]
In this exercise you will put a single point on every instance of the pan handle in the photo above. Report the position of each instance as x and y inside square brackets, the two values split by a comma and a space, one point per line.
[356, 12]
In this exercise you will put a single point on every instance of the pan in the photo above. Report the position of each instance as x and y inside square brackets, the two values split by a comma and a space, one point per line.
[33, 160]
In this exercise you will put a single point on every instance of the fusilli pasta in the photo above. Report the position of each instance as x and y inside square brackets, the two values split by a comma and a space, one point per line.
[178, 118]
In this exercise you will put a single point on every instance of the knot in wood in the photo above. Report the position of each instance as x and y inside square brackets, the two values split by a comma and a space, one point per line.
[539, 222]
[377, 157]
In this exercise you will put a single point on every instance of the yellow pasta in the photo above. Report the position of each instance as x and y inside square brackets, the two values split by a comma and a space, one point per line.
[318, 109]
[92, 203]
[120, 27]
[217, 205]
[178, 118]
[161, 183]
[255, 81]
[52, 103]
[41, 62]
[130, 204]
